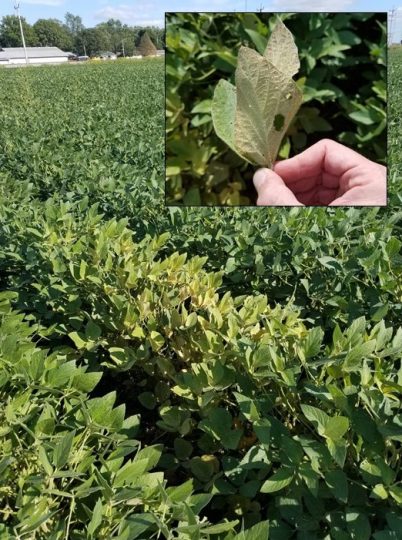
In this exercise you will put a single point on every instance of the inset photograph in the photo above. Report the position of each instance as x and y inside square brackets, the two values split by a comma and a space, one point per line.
[276, 109]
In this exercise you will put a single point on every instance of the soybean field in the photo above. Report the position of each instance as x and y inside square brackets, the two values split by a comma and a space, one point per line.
[185, 373]
[83, 130]
[394, 124]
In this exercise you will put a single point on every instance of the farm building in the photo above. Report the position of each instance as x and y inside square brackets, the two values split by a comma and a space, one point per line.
[36, 55]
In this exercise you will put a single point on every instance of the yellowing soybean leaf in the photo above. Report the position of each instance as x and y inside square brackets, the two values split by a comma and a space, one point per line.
[379, 491]
[191, 320]
[78, 341]
[156, 340]
[336, 427]
[267, 101]
[281, 50]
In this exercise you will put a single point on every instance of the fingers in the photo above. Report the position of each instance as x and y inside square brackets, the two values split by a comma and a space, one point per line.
[328, 174]
[364, 186]
[317, 196]
[272, 190]
[326, 156]
[326, 196]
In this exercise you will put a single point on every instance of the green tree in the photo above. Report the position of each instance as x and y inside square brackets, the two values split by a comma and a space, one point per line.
[128, 40]
[92, 41]
[116, 31]
[73, 23]
[52, 33]
[75, 26]
[10, 34]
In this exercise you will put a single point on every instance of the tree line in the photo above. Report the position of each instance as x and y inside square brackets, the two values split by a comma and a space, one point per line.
[72, 35]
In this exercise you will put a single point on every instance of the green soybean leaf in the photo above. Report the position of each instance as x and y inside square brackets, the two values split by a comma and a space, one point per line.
[278, 481]
[137, 524]
[86, 381]
[92, 331]
[260, 531]
[338, 484]
[337, 449]
[96, 519]
[44, 460]
[259, 40]
[180, 493]
[318, 417]
[63, 449]
[221, 527]
[358, 525]
[312, 343]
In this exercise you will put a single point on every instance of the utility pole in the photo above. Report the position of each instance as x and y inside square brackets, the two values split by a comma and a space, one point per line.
[391, 19]
[17, 9]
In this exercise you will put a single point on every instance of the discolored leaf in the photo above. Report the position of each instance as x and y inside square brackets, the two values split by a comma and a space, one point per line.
[253, 117]
[224, 112]
[336, 427]
[263, 95]
[281, 50]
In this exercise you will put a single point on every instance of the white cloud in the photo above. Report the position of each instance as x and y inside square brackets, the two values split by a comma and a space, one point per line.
[215, 5]
[43, 2]
[148, 15]
[312, 5]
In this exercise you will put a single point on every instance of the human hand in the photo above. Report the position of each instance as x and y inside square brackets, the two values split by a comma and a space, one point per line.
[327, 173]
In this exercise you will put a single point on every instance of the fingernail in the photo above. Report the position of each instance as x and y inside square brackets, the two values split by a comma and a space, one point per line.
[260, 177]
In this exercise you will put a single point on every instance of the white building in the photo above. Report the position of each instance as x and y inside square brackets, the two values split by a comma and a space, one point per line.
[36, 55]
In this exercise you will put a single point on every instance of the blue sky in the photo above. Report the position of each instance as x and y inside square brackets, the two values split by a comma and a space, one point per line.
[143, 12]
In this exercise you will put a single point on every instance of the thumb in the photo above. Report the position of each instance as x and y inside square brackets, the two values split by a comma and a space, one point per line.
[272, 190]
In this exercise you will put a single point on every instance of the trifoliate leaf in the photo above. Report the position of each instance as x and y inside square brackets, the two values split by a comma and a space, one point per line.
[252, 117]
